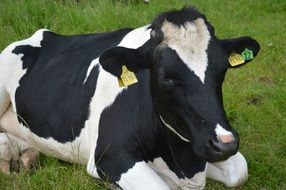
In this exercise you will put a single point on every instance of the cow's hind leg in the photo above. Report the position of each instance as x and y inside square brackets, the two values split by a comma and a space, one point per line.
[5, 155]
[13, 149]
[4, 100]
[14, 153]
[10, 147]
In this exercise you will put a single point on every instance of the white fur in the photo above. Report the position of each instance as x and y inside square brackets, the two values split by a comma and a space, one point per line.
[173, 130]
[141, 177]
[196, 182]
[220, 132]
[232, 172]
[190, 42]
[4, 99]
[92, 64]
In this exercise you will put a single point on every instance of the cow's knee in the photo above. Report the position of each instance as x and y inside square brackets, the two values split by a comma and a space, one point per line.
[9, 122]
[232, 172]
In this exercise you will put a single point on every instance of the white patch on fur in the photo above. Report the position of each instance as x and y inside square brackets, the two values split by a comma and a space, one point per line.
[92, 64]
[196, 182]
[220, 132]
[173, 130]
[190, 42]
[232, 172]
[141, 177]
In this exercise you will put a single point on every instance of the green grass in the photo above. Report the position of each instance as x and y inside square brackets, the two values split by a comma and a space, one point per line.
[254, 95]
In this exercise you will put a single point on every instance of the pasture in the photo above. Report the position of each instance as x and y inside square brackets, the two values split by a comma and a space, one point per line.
[254, 95]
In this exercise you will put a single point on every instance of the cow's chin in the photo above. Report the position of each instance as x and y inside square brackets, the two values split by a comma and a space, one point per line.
[218, 157]
[204, 153]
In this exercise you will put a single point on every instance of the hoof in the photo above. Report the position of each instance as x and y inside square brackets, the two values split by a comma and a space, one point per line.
[29, 158]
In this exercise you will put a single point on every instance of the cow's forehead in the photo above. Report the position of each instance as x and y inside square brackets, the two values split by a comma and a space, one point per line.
[190, 41]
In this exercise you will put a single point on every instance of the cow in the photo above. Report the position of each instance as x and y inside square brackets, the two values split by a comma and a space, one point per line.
[142, 108]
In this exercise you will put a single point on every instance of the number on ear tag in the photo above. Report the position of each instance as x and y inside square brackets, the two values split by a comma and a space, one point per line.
[235, 59]
[247, 54]
[127, 77]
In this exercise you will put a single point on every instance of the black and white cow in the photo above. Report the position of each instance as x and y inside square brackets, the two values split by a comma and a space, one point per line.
[61, 95]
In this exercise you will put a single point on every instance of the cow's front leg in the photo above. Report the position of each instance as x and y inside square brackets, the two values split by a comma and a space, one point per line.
[141, 177]
[232, 172]
[126, 171]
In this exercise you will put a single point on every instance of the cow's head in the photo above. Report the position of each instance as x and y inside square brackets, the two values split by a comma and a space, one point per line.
[188, 63]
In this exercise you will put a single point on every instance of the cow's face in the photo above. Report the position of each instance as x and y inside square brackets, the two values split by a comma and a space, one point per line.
[188, 65]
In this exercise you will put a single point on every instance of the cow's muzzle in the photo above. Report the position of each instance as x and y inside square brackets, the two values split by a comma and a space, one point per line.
[221, 150]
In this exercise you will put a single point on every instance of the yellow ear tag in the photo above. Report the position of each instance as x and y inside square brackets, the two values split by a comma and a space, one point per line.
[235, 59]
[127, 77]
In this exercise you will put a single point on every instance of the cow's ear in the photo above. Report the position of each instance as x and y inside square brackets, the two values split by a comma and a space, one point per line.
[240, 50]
[112, 60]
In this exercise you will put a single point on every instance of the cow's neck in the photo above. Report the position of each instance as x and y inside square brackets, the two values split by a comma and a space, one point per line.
[184, 157]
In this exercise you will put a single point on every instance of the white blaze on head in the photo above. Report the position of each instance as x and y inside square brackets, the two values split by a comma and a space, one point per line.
[190, 42]
[223, 135]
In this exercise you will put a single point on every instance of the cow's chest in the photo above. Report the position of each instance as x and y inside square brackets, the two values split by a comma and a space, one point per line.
[174, 182]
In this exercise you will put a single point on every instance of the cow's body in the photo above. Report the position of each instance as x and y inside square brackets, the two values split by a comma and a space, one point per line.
[54, 97]
[69, 107]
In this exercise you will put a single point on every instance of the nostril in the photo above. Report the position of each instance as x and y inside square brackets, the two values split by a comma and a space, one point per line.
[221, 151]
[213, 145]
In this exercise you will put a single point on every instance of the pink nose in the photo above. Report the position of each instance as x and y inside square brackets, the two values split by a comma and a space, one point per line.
[225, 138]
